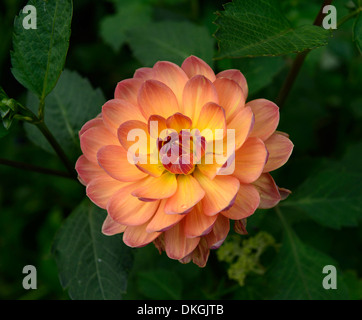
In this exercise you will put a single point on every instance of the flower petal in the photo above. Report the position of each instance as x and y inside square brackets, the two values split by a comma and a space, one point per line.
[178, 122]
[111, 227]
[129, 210]
[266, 118]
[133, 136]
[194, 66]
[144, 74]
[201, 254]
[113, 159]
[219, 192]
[128, 90]
[137, 236]
[102, 188]
[250, 160]
[197, 92]
[96, 122]
[188, 193]
[242, 123]
[87, 170]
[231, 96]
[212, 118]
[197, 223]
[154, 170]
[156, 98]
[117, 111]
[237, 76]
[269, 193]
[177, 246]
[246, 202]
[172, 76]
[157, 188]
[162, 221]
[218, 233]
[280, 148]
[95, 138]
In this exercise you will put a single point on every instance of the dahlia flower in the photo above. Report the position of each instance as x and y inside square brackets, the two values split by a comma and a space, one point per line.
[177, 154]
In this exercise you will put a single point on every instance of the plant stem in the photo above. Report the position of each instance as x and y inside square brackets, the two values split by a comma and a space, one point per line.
[57, 148]
[30, 167]
[294, 71]
[349, 16]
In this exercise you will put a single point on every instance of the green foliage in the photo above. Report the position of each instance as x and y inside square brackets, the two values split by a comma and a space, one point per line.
[297, 272]
[160, 284]
[114, 28]
[250, 28]
[172, 41]
[243, 255]
[91, 265]
[357, 32]
[72, 103]
[39, 54]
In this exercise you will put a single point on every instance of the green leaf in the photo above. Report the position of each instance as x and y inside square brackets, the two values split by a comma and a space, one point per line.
[357, 32]
[160, 284]
[171, 41]
[91, 266]
[113, 28]
[250, 28]
[259, 71]
[72, 102]
[298, 271]
[39, 54]
[331, 198]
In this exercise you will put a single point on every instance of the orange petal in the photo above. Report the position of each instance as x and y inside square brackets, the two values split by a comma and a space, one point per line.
[128, 90]
[197, 223]
[201, 254]
[111, 227]
[157, 188]
[194, 66]
[280, 148]
[144, 74]
[178, 122]
[197, 92]
[269, 193]
[162, 221]
[156, 98]
[242, 123]
[117, 111]
[231, 96]
[154, 170]
[102, 188]
[237, 76]
[250, 160]
[95, 138]
[126, 209]
[218, 233]
[113, 159]
[212, 118]
[133, 135]
[87, 170]
[157, 126]
[172, 76]
[266, 118]
[96, 122]
[177, 246]
[137, 236]
[246, 202]
[219, 192]
[188, 193]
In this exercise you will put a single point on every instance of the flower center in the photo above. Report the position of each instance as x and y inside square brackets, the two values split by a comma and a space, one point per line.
[180, 152]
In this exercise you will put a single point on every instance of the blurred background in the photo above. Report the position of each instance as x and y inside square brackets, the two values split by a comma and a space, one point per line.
[323, 115]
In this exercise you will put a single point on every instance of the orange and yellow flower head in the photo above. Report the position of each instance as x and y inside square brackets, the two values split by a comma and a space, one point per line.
[178, 153]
